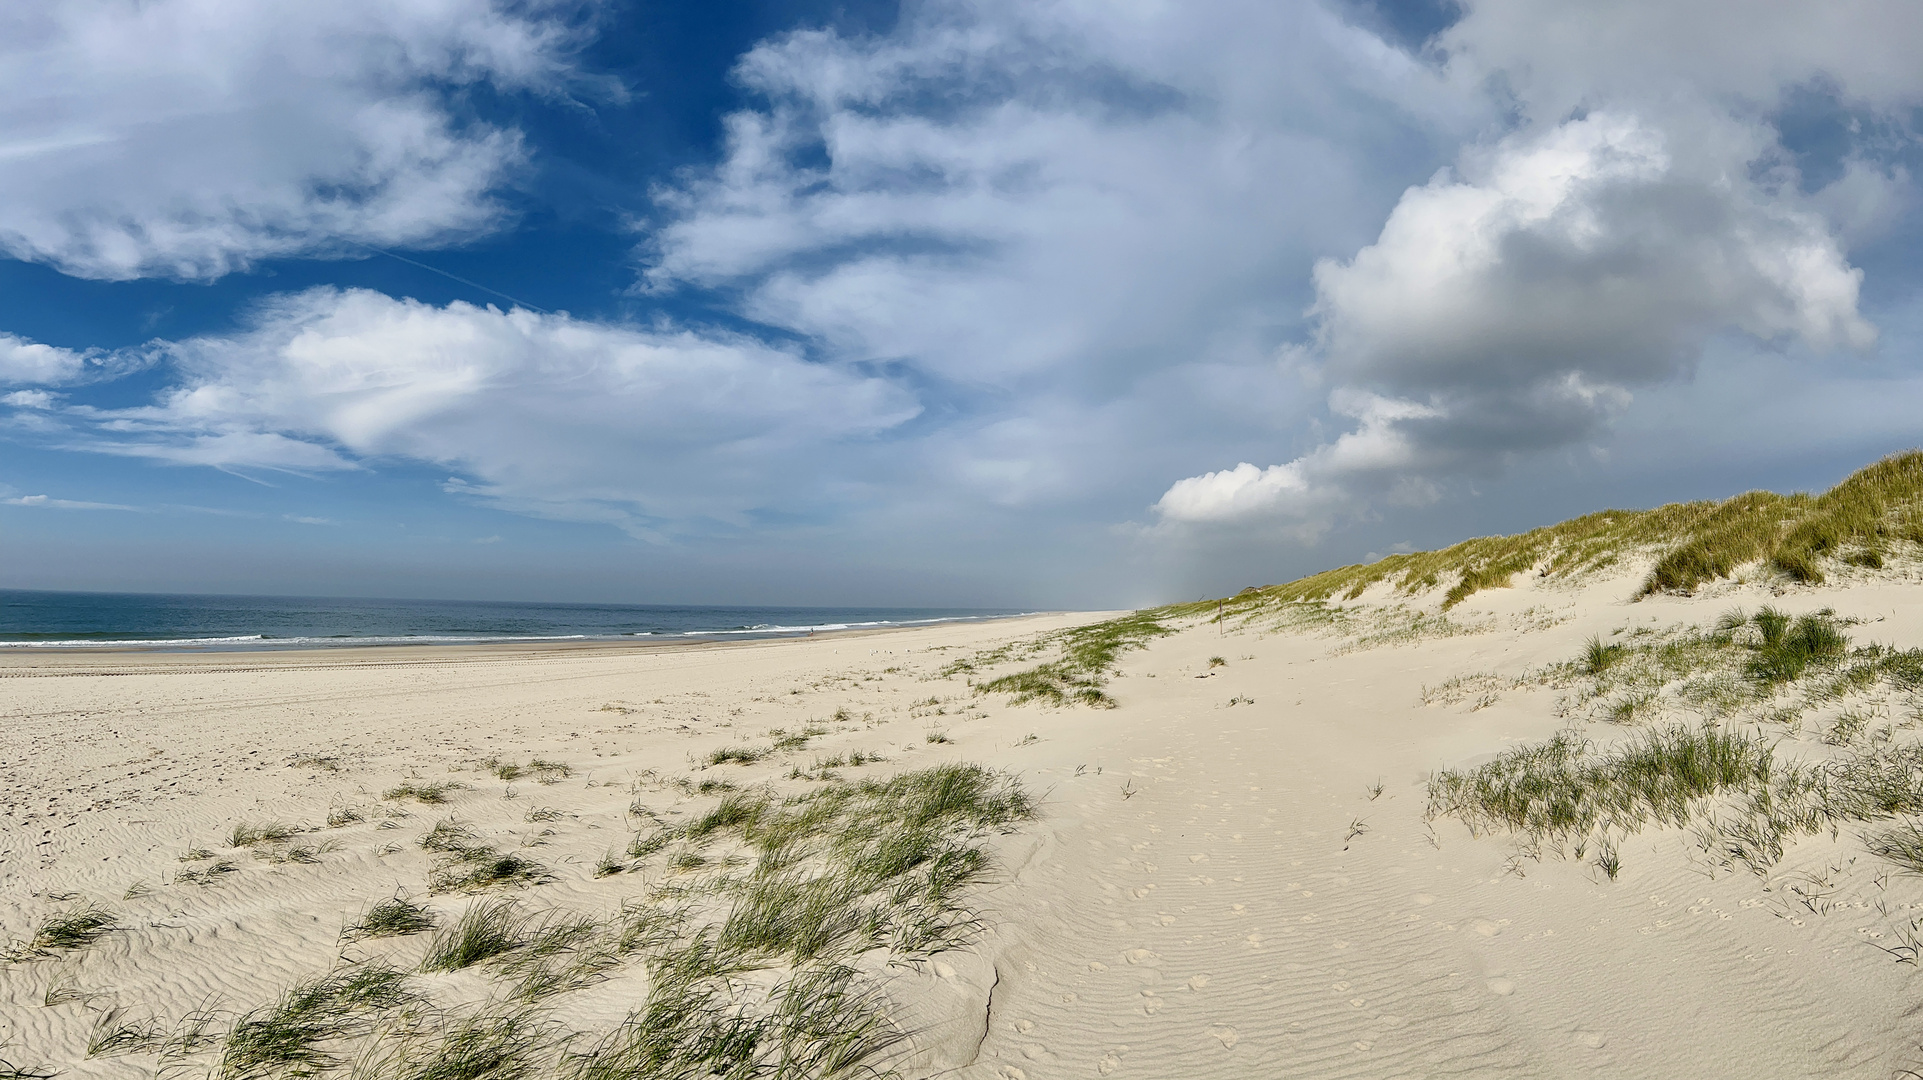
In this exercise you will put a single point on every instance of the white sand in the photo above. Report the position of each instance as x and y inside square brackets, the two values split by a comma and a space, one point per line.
[1189, 904]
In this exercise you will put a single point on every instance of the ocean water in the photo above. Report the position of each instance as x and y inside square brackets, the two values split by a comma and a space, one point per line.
[78, 620]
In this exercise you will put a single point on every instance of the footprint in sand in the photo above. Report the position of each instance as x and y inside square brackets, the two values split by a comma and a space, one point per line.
[1224, 1033]
[1097, 965]
[1198, 982]
[1590, 1039]
[1138, 956]
[1424, 899]
[1023, 1026]
[1150, 1003]
[1109, 1063]
[1501, 987]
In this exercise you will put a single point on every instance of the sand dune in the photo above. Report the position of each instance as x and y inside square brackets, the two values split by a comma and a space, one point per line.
[1233, 873]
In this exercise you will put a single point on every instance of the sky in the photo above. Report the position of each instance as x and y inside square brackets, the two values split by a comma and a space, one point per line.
[997, 303]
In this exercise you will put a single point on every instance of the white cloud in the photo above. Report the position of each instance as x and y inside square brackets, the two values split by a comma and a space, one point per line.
[46, 502]
[1003, 191]
[1082, 229]
[1642, 207]
[542, 413]
[29, 363]
[188, 138]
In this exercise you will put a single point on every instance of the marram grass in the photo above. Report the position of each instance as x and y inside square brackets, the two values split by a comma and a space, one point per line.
[1858, 522]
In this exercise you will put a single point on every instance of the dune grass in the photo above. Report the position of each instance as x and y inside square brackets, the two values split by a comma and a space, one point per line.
[395, 916]
[433, 794]
[65, 932]
[1084, 658]
[249, 834]
[1565, 788]
[838, 871]
[286, 1037]
[541, 769]
[1859, 522]
[490, 1045]
[487, 929]
[114, 1032]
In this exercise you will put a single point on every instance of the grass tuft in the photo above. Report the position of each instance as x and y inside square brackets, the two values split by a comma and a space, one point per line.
[395, 916]
[285, 1038]
[66, 931]
[1081, 669]
[248, 834]
[433, 794]
[485, 930]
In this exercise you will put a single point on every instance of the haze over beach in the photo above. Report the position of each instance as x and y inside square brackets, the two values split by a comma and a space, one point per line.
[612, 540]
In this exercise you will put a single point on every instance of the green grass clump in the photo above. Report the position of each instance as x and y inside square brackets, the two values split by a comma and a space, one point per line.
[544, 771]
[207, 875]
[285, 1038]
[76, 929]
[488, 1046]
[1564, 788]
[451, 835]
[248, 834]
[1786, 648]
[433, 794]
[1086, 656]
[485, 930]
[1902, 845]
[737, 755]
[395, 916]
[1597, 657]
[820, 1021]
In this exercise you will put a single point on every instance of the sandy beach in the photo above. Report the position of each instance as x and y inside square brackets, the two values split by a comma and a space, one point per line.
[1232, 873]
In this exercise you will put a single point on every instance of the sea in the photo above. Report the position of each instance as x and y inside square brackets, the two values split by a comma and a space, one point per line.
[32, 619]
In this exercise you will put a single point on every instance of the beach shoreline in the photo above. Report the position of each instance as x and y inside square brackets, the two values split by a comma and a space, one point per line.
[25, 661]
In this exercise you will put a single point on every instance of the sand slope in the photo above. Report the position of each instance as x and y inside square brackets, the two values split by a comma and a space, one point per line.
[1215, 887]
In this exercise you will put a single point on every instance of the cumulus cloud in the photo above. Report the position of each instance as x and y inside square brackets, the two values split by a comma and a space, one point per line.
[1641, 207]
[1004, 190]
[1080, 231]
[189, 138]
[641, 427]
[29, 363]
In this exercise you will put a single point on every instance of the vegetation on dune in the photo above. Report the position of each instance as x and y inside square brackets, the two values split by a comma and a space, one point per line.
[395, 916]
[65, 931]
[1858, 521]
[1085, 655]
[287, 1036]
[1722, 777]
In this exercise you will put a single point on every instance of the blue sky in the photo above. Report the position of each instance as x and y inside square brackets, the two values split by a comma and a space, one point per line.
[1040, 303]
